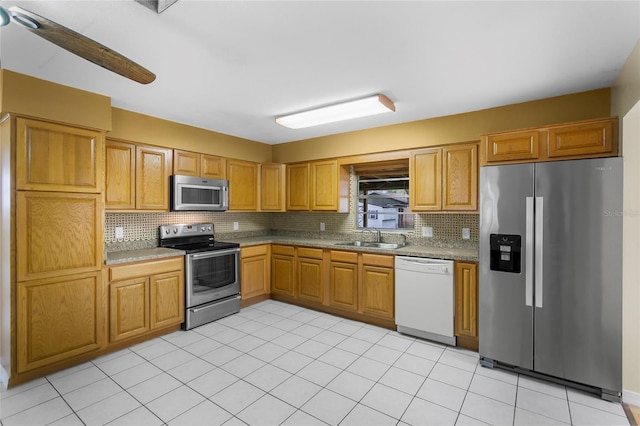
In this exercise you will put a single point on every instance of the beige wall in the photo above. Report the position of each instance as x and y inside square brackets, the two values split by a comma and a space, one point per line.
[22, 94]
[450, 129]
[625, 94]
[146, 129]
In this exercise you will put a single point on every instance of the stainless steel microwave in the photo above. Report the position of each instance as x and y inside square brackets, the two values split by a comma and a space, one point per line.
[191, 193]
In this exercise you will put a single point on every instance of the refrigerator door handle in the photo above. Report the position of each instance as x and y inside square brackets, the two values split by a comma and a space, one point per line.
[528, 241]
[538, 255]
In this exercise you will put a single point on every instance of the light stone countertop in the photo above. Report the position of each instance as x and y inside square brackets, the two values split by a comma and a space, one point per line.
[126, 256]
[451, 253]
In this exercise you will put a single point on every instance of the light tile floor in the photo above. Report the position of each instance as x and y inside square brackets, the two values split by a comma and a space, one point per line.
[278, 364]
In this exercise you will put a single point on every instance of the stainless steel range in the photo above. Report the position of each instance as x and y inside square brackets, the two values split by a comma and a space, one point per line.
[212, 272]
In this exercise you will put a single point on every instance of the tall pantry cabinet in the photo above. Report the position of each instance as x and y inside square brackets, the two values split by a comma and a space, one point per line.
[57, 210]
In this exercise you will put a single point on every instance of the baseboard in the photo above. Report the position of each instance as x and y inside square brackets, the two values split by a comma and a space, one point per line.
[630, 397]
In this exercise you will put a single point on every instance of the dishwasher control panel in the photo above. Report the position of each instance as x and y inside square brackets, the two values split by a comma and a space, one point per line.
[505, 252]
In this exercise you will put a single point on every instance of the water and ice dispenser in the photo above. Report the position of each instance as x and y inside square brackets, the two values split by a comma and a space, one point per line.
[505, 252]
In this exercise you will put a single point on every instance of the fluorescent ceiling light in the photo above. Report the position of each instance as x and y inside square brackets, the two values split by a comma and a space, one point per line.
[372, 105]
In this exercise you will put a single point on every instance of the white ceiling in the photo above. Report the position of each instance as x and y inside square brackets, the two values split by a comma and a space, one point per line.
[233, 66]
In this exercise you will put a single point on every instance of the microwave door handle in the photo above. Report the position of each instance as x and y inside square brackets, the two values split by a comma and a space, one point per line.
[214, 253]
[225, 197]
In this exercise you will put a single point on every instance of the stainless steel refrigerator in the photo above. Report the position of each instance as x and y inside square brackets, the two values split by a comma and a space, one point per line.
[551, 271]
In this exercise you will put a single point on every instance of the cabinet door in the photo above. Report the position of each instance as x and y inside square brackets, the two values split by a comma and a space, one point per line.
[58, 318]
[512, 146]
[466, 296]
[343, 285]
[53, 157]
[213, 167]
[324, 185]
[310, 279]
[58, 233]
[282, 274]
[425, 180]
[272, 187]
[243, 185]
[153, 168]
[166, 299]
[583, 139]
[298, 187]
[460, 177]
[378, 291]
[255, 271]
[186, 163]
[120, 175]
[128, 308]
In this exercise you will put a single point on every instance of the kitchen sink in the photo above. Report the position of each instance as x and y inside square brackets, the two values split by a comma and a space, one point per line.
[389, 246]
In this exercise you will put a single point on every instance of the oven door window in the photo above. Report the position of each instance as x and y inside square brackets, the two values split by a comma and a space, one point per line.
[213, 273]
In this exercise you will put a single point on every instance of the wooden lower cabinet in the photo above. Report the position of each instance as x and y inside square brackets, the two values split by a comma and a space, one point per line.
[58, 318]
[145, 296]
[466, 304]
[166, 299]
[378, 286]
[282, 269]
[255, 271]
[128, 308]
[343, 280]
[310, 274]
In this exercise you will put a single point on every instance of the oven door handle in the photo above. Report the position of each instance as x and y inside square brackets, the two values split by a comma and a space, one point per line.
[213, 253]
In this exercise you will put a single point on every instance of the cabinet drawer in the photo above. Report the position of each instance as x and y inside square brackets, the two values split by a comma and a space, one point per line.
[285, 250]
[344, 256]
[143, 269]
[377, 260]
[253, 251]
[310, 253]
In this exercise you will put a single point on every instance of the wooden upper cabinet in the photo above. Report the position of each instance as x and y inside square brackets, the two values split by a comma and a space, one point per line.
[58, 318]
[592, 139]
[460, 177]
[582, 139]
[137, 176]
[153, 169]
[511, 146]
[324, 185]
[425, 185]
[120, 175]
[272, 187]
[212, 167]
[58, 233]
[243, 185]
[54, 157]
[186, 163]
[298, 187]
[195, 164]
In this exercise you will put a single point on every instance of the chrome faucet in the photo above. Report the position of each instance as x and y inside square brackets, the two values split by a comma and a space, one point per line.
[404, 239]
[374, 231]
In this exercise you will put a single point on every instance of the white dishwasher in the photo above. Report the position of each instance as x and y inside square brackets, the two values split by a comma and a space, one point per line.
[425, 298]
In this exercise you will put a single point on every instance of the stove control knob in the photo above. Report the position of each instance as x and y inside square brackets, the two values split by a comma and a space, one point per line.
[175, 230]
[209, 228]
[202, 229]
[167, 231]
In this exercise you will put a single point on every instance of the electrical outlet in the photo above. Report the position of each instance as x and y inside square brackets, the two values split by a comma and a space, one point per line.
[466, 233]
[119, 232]
[322, 226]
[427, 231]
[236, 226]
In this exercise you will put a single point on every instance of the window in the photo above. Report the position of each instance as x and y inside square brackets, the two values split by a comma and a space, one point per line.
[383, 195]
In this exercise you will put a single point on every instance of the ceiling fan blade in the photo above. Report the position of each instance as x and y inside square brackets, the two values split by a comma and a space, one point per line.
[80, 45]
